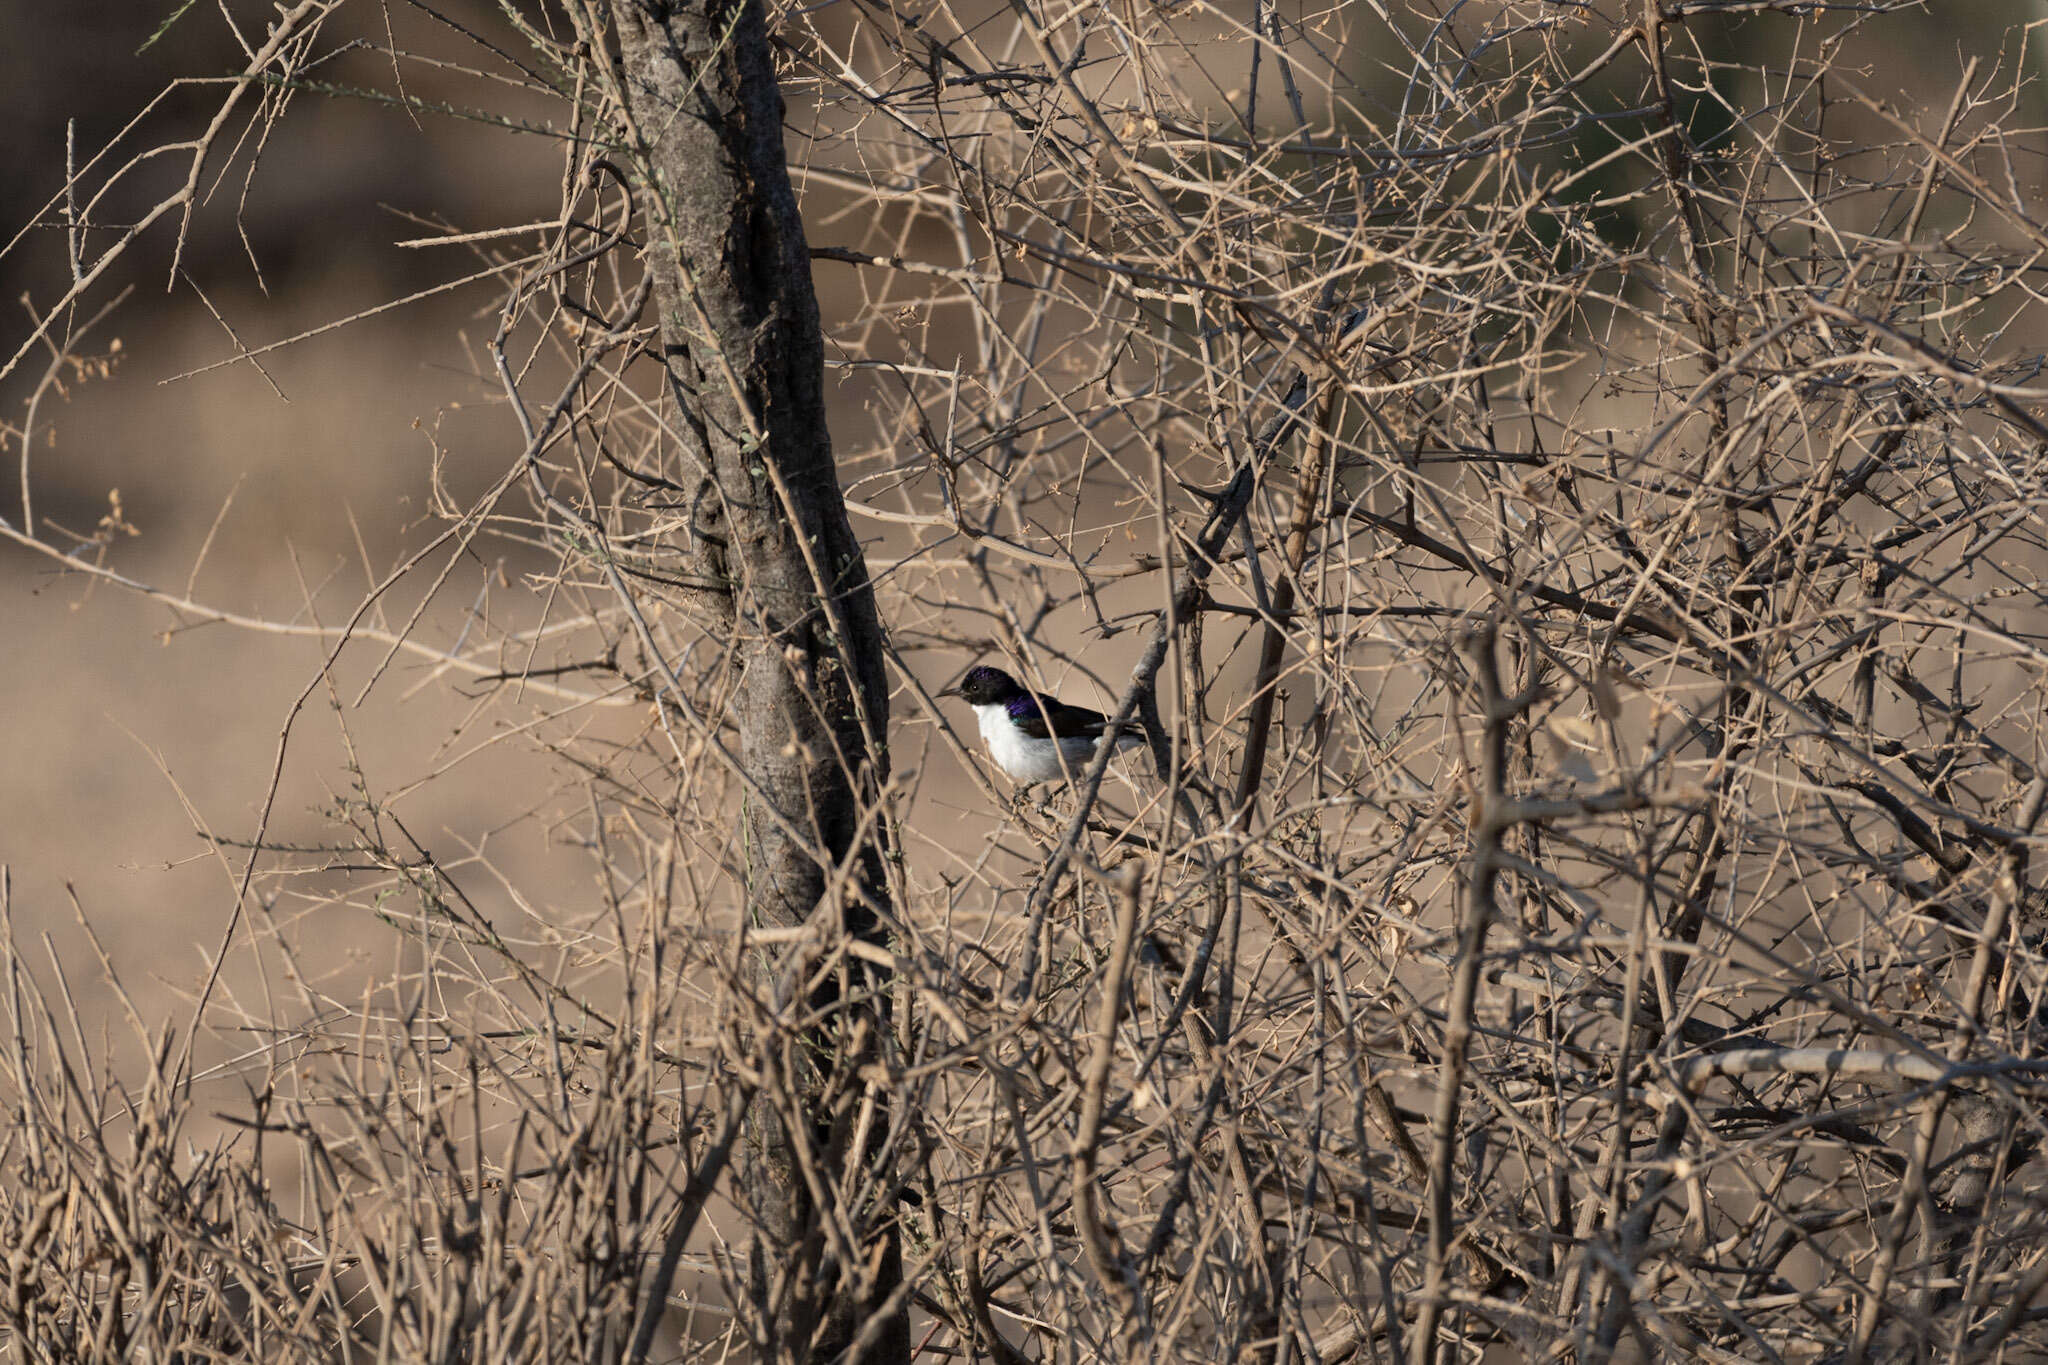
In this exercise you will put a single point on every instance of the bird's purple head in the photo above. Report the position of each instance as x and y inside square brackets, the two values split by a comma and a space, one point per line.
[985, 686]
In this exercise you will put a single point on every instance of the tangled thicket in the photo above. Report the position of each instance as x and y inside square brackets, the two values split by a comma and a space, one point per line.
[1570, 482]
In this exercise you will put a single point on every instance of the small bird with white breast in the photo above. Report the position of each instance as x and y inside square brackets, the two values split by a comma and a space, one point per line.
[1034, 738]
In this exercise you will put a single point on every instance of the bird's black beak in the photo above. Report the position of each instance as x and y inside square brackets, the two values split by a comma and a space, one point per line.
[952, 691]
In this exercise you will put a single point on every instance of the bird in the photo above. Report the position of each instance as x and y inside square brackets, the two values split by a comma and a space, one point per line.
[1033, 738]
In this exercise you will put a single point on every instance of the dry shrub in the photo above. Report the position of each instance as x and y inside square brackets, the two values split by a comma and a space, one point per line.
[1566, 486]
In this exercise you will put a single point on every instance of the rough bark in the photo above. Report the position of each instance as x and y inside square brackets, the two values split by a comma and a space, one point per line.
[741, 340]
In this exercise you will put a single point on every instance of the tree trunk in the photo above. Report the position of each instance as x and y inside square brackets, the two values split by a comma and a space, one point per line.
[741, 340]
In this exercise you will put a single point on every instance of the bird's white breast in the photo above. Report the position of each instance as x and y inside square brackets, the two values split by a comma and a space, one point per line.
[1025, 758]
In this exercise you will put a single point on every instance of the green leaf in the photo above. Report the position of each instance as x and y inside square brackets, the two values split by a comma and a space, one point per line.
[165, 26]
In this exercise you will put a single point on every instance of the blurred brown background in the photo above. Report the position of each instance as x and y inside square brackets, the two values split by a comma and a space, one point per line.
[112, 720]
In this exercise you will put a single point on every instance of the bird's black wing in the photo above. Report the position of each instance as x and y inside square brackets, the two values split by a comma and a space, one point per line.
[1036, 720]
